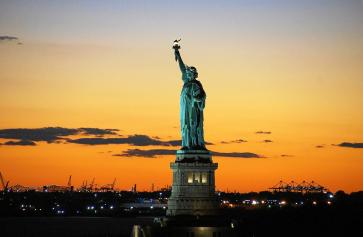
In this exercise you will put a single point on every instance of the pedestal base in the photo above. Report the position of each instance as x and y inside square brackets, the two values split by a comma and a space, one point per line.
[193, 190]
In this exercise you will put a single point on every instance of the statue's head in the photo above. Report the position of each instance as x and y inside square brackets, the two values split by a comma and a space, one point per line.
[192, 73]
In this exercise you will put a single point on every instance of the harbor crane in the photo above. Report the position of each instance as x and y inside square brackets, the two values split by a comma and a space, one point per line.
[108, 187]
[58, 188]
[303, 187]
[3, 183]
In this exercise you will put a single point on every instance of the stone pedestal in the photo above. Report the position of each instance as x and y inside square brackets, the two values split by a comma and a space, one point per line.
[193, 190]
[193, 204]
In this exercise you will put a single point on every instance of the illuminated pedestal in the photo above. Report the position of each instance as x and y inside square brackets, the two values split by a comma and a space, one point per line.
[193, 204]
[193, 190]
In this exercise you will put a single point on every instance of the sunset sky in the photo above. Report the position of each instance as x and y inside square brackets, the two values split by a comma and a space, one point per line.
[284, 84]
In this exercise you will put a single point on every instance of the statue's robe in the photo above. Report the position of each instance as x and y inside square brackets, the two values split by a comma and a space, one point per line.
[192, 102]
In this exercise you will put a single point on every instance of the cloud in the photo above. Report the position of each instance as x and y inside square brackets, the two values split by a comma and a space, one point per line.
[285, 155]
[20, 143]
[319, 146]
[236, 154]
[233, 141]
[49, 134]
[136, 140]
[152, 153]
[351, 144]
[58, 134]
[146, 153]
[175, 142]
[8, 38]
[267, 141]
[99, 131]
[263, 132]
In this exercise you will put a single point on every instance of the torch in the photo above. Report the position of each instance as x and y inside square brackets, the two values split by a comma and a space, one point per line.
[176, 46]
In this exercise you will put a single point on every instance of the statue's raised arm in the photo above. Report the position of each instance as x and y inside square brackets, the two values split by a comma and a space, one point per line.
[192, 102]
[178, 58]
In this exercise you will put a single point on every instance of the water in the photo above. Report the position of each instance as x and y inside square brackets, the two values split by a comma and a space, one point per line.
[70, 226]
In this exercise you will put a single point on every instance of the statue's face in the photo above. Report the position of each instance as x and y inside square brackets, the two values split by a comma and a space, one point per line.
[192, 73]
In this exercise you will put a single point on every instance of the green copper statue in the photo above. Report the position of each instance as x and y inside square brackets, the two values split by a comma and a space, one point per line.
[192, 102]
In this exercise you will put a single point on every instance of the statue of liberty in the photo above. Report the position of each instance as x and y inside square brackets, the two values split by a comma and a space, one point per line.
[192, 102]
